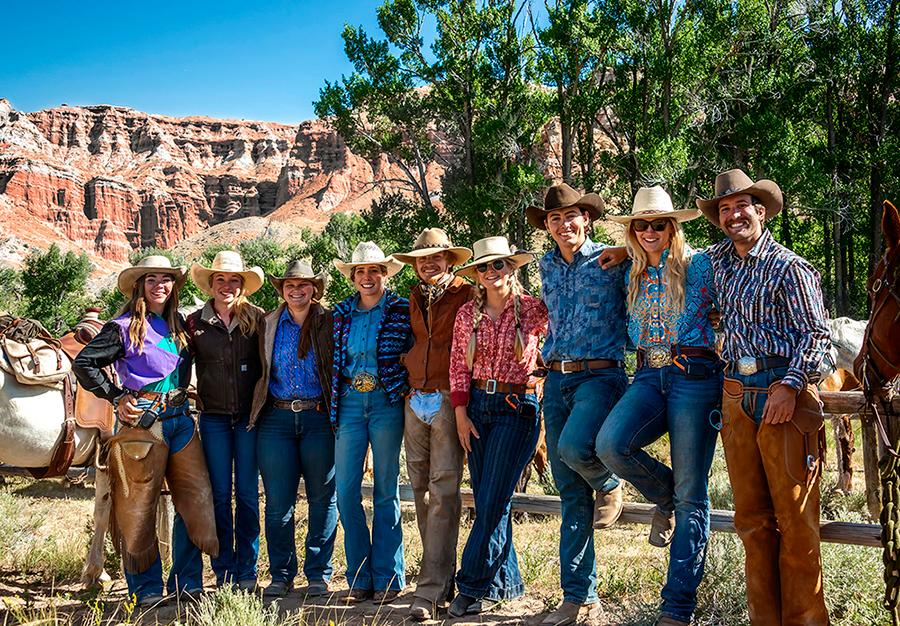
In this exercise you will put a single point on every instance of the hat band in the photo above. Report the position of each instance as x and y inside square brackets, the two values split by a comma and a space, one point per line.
[431, 245]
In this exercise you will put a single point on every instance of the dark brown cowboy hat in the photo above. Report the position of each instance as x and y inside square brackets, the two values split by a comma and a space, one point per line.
[304, 271]
[735, 181]
[562, 197]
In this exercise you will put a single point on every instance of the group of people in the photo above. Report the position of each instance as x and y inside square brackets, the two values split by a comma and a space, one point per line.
[463, 371]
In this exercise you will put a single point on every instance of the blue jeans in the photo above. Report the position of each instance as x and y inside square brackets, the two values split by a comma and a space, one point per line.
[659, 401]
[373, 561]
[507, 438]
[755, 401]
[291, 445]
[187, 561]
[575, 406]
[229, 447]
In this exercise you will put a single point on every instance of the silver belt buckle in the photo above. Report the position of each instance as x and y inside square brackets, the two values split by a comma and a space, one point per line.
[658, 356]
[746, 365]
[490, 387]
[297, 405]
[562, 366]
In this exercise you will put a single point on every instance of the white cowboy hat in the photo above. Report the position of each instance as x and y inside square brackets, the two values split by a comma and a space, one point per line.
[653, 202]
[153, 264]
[493, 248]
[368, 253]
[431, 241]
[231, 262]
[303, 271]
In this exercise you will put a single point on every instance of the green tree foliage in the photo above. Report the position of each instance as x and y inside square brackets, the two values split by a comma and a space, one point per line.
[53, 287]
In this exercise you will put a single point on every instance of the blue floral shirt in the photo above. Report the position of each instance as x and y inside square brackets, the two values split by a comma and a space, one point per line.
[292, 378]
[586, 305]
[655, 321]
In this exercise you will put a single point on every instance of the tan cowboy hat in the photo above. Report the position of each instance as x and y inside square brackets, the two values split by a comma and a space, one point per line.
[153, 264]
[368, 253]
[652, 203]
[735, 181]
[431, 241]
[301, 270]
[231, 262]
[562, 197]
[493, 248]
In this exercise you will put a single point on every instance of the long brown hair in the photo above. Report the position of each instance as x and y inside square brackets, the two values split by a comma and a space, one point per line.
[479, 300]
[676, 267]
[247, 313]
[137, 308]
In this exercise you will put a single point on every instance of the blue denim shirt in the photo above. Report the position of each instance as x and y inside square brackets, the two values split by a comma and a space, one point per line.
[362, 346]
[653, 319]
[586, 304]
[292, 378]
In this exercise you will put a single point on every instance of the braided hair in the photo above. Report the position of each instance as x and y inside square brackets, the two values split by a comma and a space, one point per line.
[478, 303]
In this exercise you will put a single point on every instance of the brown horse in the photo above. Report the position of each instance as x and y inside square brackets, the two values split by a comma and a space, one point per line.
[878, 367]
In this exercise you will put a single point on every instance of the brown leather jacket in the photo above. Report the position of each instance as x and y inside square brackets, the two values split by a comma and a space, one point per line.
[428, 361]
[228, 366]
[322, 343]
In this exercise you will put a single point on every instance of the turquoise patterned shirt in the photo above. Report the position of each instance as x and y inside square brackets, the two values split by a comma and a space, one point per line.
[655, 322]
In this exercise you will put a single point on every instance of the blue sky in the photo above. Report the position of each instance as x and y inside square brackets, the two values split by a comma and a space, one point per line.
[261, 60]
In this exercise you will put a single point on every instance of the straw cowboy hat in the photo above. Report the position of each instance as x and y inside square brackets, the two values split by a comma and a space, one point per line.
[493, 248]
[301, 270]
[735, 181]
[153, 264]
[231, 262]
[652, 203]
[368, 253]
[431, 241]
[562, 197]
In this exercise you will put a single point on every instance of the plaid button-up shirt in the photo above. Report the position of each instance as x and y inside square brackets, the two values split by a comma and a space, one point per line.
[586, 304]
[771, 304]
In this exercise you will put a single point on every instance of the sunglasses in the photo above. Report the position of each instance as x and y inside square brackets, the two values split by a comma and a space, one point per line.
[497, 265]
[658, 225]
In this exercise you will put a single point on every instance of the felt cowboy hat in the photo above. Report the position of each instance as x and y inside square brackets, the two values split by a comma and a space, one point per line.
[152, 264]
[231, 262]
[431, 241]
[301, 270]
[368, 253]
[652, 203]
[562, 197]
[493, 248]
[735, 181]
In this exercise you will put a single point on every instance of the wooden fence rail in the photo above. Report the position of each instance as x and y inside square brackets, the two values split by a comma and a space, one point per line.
[848, 403]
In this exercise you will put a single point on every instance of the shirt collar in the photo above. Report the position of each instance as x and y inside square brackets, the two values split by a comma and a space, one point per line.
[762, 244]
[378, 304]
[583, 251]
[285, 317]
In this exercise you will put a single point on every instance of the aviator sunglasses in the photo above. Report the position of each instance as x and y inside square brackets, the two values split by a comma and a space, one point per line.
[497, 265]
[657, 225]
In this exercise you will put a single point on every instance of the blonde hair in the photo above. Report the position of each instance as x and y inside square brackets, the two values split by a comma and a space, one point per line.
[137, 308]
[676, 267]
[247, 313]
[516, 292]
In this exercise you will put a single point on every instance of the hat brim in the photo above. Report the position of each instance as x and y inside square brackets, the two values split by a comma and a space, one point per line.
[320, 280]
[681, 215]
[459, 255]
[202, 277]
[516, 260]
[392, 265]
[767, 191]
[130, 275]
[591, 202]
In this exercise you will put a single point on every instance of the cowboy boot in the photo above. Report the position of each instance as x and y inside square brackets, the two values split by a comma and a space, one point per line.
[188, 481]
[137, 462]
[754, 514]
[793, 463]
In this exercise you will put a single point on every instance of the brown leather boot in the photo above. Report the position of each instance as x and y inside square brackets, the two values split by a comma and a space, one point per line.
[188, 481]
[662, 528]
[607, 508]
[665, 620]
[754, 513]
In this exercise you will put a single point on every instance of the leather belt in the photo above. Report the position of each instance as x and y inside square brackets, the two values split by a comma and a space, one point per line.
[297, 405]
[173, 397]
[493, 386]
[661, 356]
[747, 365]
[573, 367]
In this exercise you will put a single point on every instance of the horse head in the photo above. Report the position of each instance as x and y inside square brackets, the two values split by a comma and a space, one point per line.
[878, 363]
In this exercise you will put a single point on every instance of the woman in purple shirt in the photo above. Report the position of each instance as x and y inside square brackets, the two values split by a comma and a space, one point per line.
[676, 390]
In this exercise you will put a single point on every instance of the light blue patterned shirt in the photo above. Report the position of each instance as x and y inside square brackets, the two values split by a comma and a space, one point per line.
[653, 321]
[292, 378]
[362, 345]
[586, 304]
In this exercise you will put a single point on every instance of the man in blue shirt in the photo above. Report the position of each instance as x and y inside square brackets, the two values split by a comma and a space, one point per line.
[584, 352]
